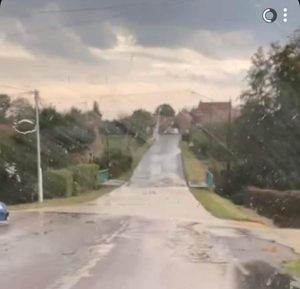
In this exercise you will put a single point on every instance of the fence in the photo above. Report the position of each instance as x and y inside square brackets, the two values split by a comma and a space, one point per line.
[103, 176]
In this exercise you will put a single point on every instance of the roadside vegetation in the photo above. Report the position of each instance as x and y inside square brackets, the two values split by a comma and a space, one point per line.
[255, 155]
[75, 146]
[218, 206]
[293, 268]
[194, 168]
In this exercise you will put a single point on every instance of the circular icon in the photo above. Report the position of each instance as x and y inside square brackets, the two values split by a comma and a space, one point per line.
[269, 15]
[285, 15]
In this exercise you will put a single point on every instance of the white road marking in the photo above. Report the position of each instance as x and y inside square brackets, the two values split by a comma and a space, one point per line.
[99, 251]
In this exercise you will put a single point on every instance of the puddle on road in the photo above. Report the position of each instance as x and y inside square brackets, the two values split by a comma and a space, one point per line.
[249, 257]
[262, 276]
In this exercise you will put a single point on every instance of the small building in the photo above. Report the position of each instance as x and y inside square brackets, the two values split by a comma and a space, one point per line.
[183, 121]
[211, 113]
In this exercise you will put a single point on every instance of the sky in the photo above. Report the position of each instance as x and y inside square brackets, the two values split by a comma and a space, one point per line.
[130, 54]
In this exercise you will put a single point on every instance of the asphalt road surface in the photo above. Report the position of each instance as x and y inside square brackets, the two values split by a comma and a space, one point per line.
[148, 234]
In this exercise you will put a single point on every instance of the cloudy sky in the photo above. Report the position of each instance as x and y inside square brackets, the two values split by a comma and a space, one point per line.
[128, 54]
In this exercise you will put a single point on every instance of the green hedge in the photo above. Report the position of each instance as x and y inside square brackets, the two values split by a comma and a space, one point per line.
[281, 206]
[85, 177]
[120, 161]
[58, 183]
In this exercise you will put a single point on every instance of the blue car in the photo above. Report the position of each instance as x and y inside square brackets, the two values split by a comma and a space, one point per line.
[3, 212]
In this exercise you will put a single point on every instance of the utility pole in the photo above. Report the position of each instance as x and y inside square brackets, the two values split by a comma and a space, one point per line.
[156, 128]
[228, 135]
[38, 145]
[107, 149]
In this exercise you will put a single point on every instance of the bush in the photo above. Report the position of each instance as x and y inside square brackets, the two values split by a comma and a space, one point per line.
[119, 162]
[281, 206]
[58, 183]
[85, 177]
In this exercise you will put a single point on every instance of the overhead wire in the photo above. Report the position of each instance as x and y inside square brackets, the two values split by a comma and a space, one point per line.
[59, 27]
[95, 9]
[14, 87]
[116, 6]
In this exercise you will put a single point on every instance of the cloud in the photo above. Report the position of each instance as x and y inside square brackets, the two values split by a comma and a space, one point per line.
[131, 76]
[124, 56]
[215, 28]
[11, 51]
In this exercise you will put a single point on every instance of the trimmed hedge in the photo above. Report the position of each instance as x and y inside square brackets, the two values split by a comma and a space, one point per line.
[119, 162]
[58, 183]
[72, 181]
[85, 177]
[283, 207]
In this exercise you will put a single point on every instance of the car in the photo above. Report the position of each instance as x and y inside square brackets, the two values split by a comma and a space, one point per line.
[172, 130]
[4, 213]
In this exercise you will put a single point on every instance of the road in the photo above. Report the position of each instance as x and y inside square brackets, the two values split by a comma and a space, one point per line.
[150, 233]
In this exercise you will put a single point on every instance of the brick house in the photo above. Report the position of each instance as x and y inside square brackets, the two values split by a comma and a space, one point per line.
[211, 113]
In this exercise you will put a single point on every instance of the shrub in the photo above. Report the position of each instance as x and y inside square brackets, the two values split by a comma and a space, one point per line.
[281, 206]
[85, 177]
[119, 162]
[58, 183]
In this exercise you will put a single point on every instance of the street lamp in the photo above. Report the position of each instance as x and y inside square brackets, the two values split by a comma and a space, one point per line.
[36, 130]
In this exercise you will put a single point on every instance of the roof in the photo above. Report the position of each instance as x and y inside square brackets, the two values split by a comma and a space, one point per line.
[213, 112]
[217, 105]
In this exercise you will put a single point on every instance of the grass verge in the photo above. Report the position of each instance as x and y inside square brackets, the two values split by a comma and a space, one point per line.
[195, 170]
[220, 207]
[293, 268]
[80, 199]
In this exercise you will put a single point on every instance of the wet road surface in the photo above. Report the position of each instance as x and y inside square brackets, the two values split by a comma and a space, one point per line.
[151, 233]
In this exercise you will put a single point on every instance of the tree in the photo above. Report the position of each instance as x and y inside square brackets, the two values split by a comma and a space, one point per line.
[166, 110]
[49, 117]
[21, 108]
[4, 106]
[266, 135]
[141, 123]
[96, 109]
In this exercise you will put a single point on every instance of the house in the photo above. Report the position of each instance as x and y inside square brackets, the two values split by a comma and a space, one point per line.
[183, 121]
[211, 113]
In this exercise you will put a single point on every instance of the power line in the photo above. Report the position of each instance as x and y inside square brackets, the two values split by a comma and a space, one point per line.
[14, 87]
[82, 23]
[110, 7]
[95, 9]
[60, 27]
[202, 95]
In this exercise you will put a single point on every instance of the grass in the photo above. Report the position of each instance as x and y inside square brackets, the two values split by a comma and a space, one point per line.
[220, 207]
[195, 170]
[121, 142]
[80, 199]
[293, 268]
